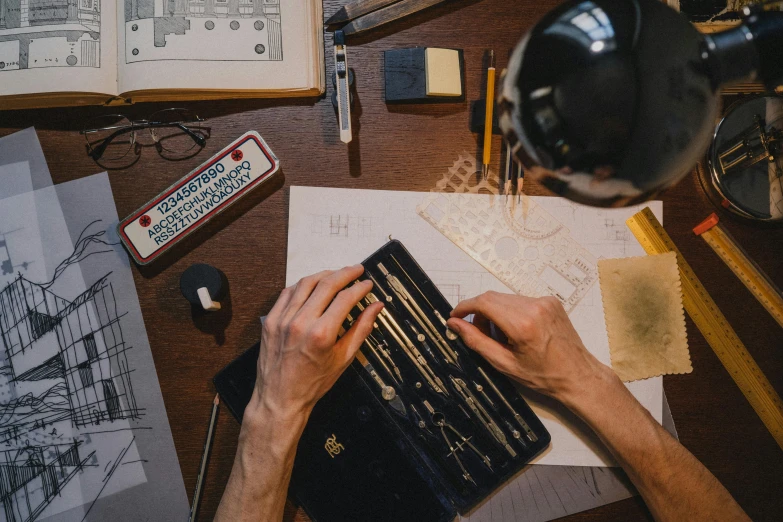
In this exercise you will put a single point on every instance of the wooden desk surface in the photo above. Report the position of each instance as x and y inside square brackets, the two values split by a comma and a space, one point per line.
[401, 148]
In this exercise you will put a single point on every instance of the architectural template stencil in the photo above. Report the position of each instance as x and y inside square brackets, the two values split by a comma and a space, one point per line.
[49, 33]
[248, 30]
[523, 245]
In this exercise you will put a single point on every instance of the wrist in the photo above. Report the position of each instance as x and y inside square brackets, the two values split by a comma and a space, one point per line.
[268, 424]
[592, 390]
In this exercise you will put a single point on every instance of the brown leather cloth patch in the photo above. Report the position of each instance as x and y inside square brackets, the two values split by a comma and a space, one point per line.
[645, 320]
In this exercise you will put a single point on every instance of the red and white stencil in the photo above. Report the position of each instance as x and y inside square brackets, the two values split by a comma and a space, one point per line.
[198, 197]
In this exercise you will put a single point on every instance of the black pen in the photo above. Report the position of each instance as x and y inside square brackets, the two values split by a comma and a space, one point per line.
[204, 458]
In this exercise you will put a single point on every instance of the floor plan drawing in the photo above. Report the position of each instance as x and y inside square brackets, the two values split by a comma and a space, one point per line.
[49, 33]
[248, 30]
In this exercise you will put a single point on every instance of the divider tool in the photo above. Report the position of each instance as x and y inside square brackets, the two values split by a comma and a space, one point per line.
[419, 316]
[517, 417]
[482, 414]
[407, 347]
[735, 257]
[714, 326]
[449, 334]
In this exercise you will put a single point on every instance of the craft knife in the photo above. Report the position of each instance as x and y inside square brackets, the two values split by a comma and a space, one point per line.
[342, 86]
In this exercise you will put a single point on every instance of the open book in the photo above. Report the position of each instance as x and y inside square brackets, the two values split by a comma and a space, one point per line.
[78, 52]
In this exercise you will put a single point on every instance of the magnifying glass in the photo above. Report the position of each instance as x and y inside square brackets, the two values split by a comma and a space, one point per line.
[610, 102]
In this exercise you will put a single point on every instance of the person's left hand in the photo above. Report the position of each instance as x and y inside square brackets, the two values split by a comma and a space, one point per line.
[300, 357]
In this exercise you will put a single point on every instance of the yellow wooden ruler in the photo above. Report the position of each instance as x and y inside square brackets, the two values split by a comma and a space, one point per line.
[714, 326]
[762, 288]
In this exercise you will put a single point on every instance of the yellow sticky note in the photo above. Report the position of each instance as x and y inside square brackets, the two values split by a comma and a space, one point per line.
[443, 72]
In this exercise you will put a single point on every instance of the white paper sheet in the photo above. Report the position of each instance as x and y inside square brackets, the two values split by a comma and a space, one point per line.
[331, 228]
[78, 388]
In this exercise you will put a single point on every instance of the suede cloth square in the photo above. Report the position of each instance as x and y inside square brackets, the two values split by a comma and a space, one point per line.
[645, 320]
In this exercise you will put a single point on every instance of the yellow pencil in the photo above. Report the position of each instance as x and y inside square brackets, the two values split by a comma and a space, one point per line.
[490, 104]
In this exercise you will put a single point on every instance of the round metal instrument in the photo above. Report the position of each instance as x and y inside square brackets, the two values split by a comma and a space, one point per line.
[744, 171]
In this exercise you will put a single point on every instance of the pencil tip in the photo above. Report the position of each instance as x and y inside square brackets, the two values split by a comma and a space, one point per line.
[217, 399]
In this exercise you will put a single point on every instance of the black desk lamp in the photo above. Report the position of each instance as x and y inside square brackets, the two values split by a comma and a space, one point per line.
[608, 102]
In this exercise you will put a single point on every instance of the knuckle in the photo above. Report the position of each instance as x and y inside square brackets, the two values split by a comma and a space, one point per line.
[554, 305]
[526, 324]
[297, 328]
[319, 336]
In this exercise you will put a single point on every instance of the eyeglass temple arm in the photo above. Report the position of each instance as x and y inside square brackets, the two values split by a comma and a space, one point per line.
[200, 140]
[97, 151]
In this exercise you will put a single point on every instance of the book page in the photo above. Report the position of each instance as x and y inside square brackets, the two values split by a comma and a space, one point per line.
[58, 46]
[218, 44]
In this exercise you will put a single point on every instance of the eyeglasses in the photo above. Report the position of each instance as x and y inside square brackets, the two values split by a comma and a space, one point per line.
[113, 140]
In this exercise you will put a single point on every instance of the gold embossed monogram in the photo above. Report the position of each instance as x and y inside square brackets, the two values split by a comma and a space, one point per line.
[332, 446]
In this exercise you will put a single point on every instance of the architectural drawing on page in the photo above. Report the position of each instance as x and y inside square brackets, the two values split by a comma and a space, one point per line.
[521, 244]
[203, 30]
[66, 393]
[49, 33]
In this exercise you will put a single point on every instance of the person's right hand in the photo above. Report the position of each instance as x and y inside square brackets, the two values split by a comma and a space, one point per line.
[543, 351]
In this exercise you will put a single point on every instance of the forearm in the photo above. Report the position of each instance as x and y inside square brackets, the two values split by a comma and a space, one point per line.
[258, 485]
[673, 483]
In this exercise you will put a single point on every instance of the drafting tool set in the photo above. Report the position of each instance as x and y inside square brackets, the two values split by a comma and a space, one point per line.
[419, 428]
[735, 257]
[714, 326]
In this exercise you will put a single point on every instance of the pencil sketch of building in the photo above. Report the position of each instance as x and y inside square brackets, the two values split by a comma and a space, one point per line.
[247, 30]
[75, 345]
[49, 33]
[63, 371]
[31, 477]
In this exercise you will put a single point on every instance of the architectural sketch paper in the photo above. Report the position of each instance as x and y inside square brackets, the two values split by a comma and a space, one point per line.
[84, 433]
[331, 228]
[19, 244]
[15, 179]
[70, 42]
[24, 146]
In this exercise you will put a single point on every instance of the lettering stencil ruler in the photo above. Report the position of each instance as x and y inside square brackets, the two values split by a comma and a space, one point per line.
[714, 326]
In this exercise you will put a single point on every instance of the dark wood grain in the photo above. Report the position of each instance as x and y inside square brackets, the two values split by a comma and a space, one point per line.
[401, 147]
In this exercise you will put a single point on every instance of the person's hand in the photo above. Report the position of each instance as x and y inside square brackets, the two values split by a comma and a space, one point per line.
[300, 356]
[543, 351]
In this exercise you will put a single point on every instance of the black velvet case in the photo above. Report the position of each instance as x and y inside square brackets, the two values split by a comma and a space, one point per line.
[360, 459]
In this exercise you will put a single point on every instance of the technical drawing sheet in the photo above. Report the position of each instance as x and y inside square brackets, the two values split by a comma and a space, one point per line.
[83, 430]
[219, 44]
[332, 228]
[70, 44]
